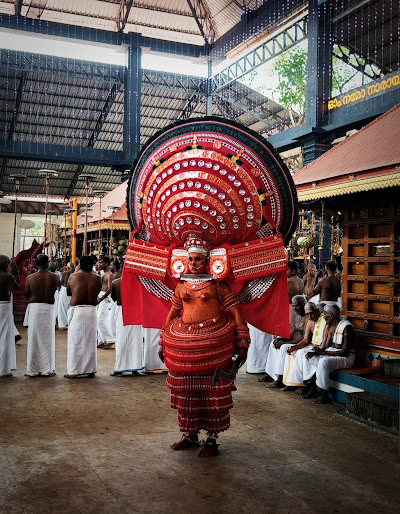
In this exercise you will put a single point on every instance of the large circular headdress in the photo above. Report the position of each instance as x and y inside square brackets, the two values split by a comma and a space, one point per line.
[210, 178]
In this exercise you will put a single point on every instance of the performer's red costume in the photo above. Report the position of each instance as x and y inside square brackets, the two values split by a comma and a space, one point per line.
[206, 202]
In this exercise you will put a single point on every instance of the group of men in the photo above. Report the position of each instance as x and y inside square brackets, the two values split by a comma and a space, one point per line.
[88, 304]
[319, 342]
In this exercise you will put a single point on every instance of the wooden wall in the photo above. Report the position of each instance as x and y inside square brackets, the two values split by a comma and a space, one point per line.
[371, 268]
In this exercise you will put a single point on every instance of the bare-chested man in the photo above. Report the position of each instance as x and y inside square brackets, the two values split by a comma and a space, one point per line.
[83, 287]
[293, 373]
[105, 335]
[336, 352]
[9, 281]
[63, 298]
[310, 279]
[277, 350]
[328, 288]
[128, 341]
[295, 284]
[40, 320]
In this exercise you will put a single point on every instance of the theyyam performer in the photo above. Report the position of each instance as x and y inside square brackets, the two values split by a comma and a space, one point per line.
[211, 205]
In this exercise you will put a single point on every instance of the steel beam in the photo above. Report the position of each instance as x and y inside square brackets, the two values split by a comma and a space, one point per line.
[358, 65]
[172, 82]
[47, 64]
[262, 20]
[123, 14]
[132, 96]
[204, 20]
[260, 55]
[189, 107]
[97, 129]
[96, 36]
[59, 153]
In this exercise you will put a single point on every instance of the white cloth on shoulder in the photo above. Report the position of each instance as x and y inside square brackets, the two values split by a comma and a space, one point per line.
[104, 334]
[152, 361]
[128, 345]
[7, 339]
[62, 308]
[258, 350]
[82, 340]
[41, 345]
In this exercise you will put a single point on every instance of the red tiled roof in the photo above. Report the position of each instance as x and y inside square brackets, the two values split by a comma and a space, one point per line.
[116, 197]
[376, 146]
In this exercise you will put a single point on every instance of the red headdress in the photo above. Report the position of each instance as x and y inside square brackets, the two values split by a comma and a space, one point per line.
[214, 182]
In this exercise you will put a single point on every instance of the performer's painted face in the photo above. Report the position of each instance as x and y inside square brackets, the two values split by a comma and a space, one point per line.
[197, 263]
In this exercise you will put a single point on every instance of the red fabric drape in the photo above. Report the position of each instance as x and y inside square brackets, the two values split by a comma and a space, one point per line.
[269, 313]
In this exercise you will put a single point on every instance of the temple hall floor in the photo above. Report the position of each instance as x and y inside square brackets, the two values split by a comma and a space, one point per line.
[102, 445]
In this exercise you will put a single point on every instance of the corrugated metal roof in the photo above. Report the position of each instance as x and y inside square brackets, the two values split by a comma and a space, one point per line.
[374, 147]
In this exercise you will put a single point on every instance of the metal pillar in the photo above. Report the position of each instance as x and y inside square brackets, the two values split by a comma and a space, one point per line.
[209, 93]
[132, 93]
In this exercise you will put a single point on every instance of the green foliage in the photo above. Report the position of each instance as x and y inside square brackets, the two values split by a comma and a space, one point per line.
[291, 68]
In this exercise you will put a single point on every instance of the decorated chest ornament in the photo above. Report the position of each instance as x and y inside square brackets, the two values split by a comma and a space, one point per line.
[213, 187]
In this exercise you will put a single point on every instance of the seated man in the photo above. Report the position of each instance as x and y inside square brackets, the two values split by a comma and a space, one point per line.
[336, 352]
[277, 350]
[293, 372]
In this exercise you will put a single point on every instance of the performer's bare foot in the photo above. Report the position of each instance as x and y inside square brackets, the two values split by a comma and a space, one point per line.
[324, 399]
[209, 449]
[276, 384]
[265, 378]
[187, 441]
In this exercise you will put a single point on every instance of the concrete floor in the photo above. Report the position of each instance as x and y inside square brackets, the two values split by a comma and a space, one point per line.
[102, 445]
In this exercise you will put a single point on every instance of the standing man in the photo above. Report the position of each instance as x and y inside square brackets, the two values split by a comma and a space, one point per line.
[83, 287]
[8, 282]
[63, 299]
[129, 339]
[328, 288]
[105, 337]
[40, 320]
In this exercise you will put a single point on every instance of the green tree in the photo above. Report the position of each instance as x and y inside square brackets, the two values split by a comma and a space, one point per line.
[291, 68]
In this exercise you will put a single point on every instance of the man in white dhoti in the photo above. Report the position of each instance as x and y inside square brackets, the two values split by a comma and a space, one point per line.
[129, 340]
[53, 269]
[337, 352]
[277, 350]
[105, 334]
[83, 287]
[258, 351]
[63, 299]
[40, 320]
[8, 282]
[152, 361]
[293, 368]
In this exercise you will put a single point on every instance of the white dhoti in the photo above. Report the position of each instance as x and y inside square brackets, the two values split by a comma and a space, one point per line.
[258, 350]
[82, 340]
[276, 360]
[152, 361]
[56, 295]
[17, 335]
[7, 339]
[128, 345]
[112, 320]
[63, 306]
[104, 334]
[41, 345]
[327, 364]
[293, 369]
